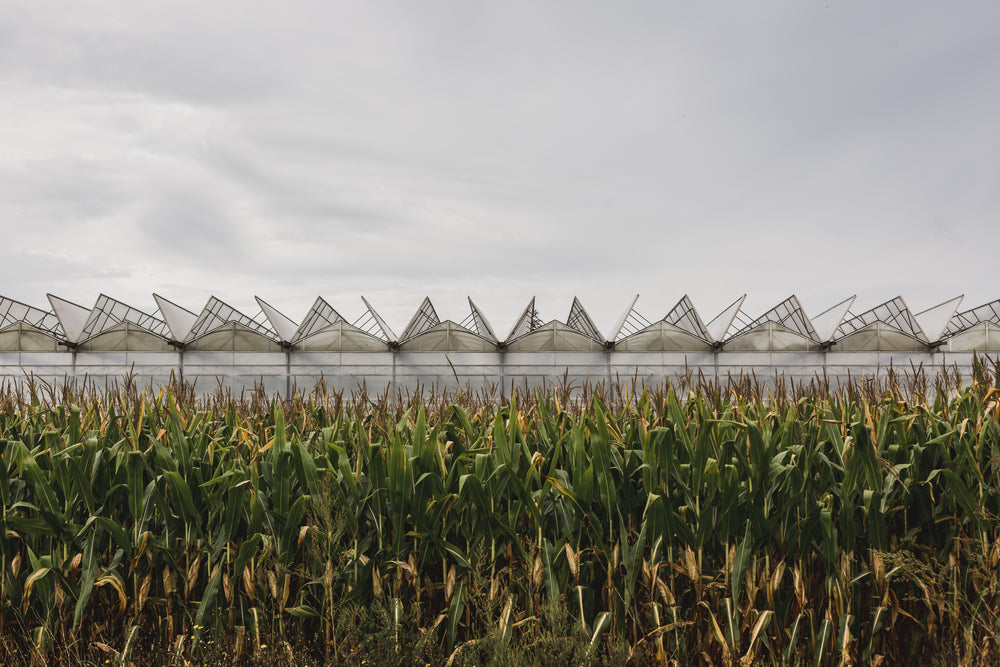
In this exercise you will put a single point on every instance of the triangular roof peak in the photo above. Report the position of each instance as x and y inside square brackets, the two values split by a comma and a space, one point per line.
[629, 323]
[579, 320]
[893, 312]
[108, 313]
[178, 318]
[425, 319]
[372, 323]
[788, 314]
[320, 316]
[682, 316]
[72, 317]
[527, 322]
[935, 319]
[217, 313]
[282, 325]
[685, 317]
[477, 323]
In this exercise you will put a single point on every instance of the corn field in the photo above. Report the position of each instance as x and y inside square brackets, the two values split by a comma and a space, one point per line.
[700, 524]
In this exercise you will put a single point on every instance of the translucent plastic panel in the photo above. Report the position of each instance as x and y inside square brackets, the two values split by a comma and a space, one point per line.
[983, 337]
[879, 337]
[934, 321]
[721, 323]
[72, 317]
[282, 325]
[341, 337]
[552, 337]
[682, 316]
[448, 336]
[897, 341]
[245, 340]
[758, 340]
[826, 323]
[770, 337]
[19, 337]
[661, 337]
[126, 337]
[179, 319]
[861, 340]
[233, 337]
[783, 340]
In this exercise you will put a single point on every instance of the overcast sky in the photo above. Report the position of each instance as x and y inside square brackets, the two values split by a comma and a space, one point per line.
[500, 150]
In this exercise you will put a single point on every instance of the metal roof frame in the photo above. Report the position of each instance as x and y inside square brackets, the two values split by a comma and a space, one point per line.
[108, 313]
[218, 313]
[13, 311]
[988, 312]
[425, 319]
[788, 314]
[894, 313]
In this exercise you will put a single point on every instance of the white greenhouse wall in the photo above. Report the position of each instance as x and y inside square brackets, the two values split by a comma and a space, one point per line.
[278, 372]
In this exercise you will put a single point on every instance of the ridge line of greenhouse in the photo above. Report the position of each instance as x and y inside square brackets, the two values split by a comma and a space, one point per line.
[68, 326]
[111, 338]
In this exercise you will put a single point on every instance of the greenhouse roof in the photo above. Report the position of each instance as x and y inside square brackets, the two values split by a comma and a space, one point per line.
[681, 328]
[988, 312]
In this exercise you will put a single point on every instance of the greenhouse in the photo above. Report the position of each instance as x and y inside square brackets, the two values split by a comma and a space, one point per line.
[219, 346]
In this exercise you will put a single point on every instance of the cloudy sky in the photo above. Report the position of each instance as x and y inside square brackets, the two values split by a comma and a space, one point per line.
[500, 150]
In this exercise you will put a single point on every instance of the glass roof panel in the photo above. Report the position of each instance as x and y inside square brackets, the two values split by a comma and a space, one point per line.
[12, 311]
[477, 323]
[988, 312]
[579, 320]
[371, 323]
[424, 319]
[319, 317]
[788, 314]
[894, 312]
[108, 313]
[685, 317]
[630, 323]
[682, 316]
[528, 321]
[217, 313]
